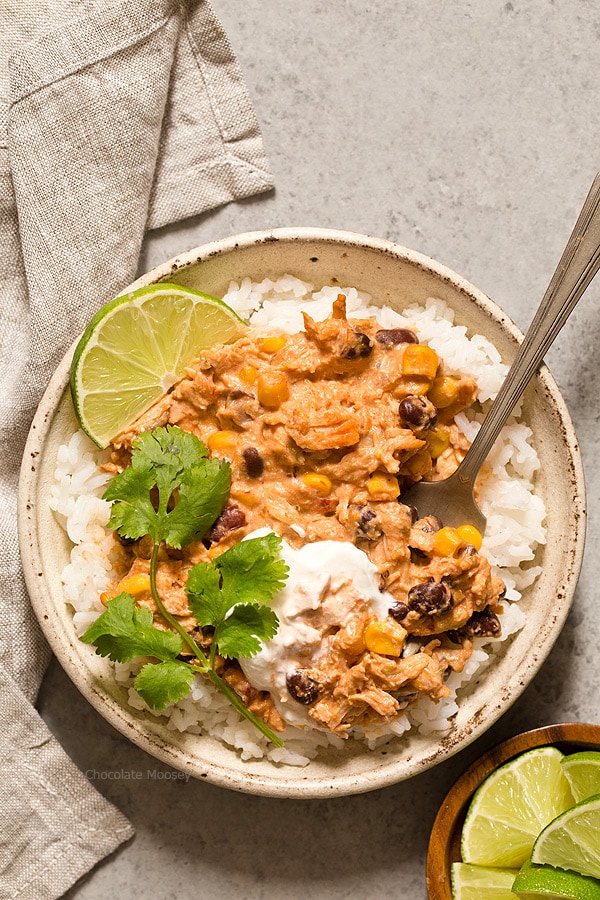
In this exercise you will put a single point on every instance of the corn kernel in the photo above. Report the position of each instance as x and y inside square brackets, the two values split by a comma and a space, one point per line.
[386, 638]
[419, 359]
[419, 463]
[383, 487]
[272, 388]
[248, 374]
[241, 494]
[272, 344]
[437, 441]
[417, 386]
[321, 484]
[223, 441]
[447, 541]
[135, 585]
[246, 498]
[471, 535]
[443, 391]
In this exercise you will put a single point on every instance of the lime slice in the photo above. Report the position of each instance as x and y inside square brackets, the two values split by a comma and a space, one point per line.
[583, 773]
[572, 840]
[479, 883]
[511, 807]
[136, 347]
[548, 883]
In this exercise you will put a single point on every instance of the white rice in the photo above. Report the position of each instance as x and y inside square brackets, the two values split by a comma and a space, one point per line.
[515, 517]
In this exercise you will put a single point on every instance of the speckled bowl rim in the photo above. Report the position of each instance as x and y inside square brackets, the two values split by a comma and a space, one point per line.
[331, 774]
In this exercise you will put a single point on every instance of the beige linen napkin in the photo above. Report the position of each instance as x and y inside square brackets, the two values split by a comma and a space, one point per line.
[115, 117]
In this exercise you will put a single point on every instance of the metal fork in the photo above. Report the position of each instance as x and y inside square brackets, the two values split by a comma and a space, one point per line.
[452, 499]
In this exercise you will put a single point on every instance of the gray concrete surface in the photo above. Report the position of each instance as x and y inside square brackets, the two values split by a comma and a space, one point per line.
[468, 131]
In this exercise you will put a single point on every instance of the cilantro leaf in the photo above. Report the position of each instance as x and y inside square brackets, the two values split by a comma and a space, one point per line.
[241, 632]
[167, 452]
[132, 513]
[249, 572]
[163, 683]
[204, 594]
[125, 631]
[172, 490]
[203, 492]
[252, 570]
[230, 594]
[169, 447]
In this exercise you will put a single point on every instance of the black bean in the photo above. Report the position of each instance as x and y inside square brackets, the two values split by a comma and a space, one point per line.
[361, 347]
[394, 336]
[399, 611]
[418, 412]
[468, 550]
[414, 515]
[368, 527]
[231, 518]
[454, 636]
[253, 462]
[482, 624]
[430, 598]
[302, 687]
[417, 556]
[430, 524]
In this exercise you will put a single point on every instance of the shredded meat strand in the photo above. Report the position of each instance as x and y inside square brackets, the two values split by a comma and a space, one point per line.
[338, 418]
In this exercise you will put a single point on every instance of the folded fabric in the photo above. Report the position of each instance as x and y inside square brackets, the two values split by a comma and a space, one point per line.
[114, 118]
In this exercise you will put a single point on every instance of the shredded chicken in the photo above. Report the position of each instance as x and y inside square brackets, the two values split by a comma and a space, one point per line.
[321, 451]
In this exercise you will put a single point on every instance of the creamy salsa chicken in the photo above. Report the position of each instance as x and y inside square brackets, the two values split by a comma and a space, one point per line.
[324, 430]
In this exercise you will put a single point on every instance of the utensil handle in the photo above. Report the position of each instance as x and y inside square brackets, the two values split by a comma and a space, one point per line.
[578, 265]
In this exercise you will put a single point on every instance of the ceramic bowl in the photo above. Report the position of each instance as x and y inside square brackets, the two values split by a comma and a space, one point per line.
[444, 843]
[392, 275]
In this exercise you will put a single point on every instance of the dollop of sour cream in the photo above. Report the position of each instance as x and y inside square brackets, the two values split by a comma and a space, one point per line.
[327, 581]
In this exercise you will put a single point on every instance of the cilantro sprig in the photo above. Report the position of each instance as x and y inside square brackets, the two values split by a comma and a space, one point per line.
[232, 594]
[168, 461]
[174, 492]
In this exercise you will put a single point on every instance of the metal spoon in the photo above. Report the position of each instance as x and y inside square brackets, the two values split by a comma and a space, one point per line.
[452, 499]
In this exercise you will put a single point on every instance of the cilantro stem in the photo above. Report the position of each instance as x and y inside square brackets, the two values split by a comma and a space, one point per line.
[236, 702]
[167, 615]
[206, 667]
[213, 653]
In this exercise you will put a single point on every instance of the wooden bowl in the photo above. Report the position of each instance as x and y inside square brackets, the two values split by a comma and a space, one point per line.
[444, 843]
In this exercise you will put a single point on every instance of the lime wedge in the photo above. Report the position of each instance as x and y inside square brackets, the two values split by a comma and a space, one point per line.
[511, 807]
[572, 840]
[136, 347]
[548, 883]
[479, 883]
[583, 773]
